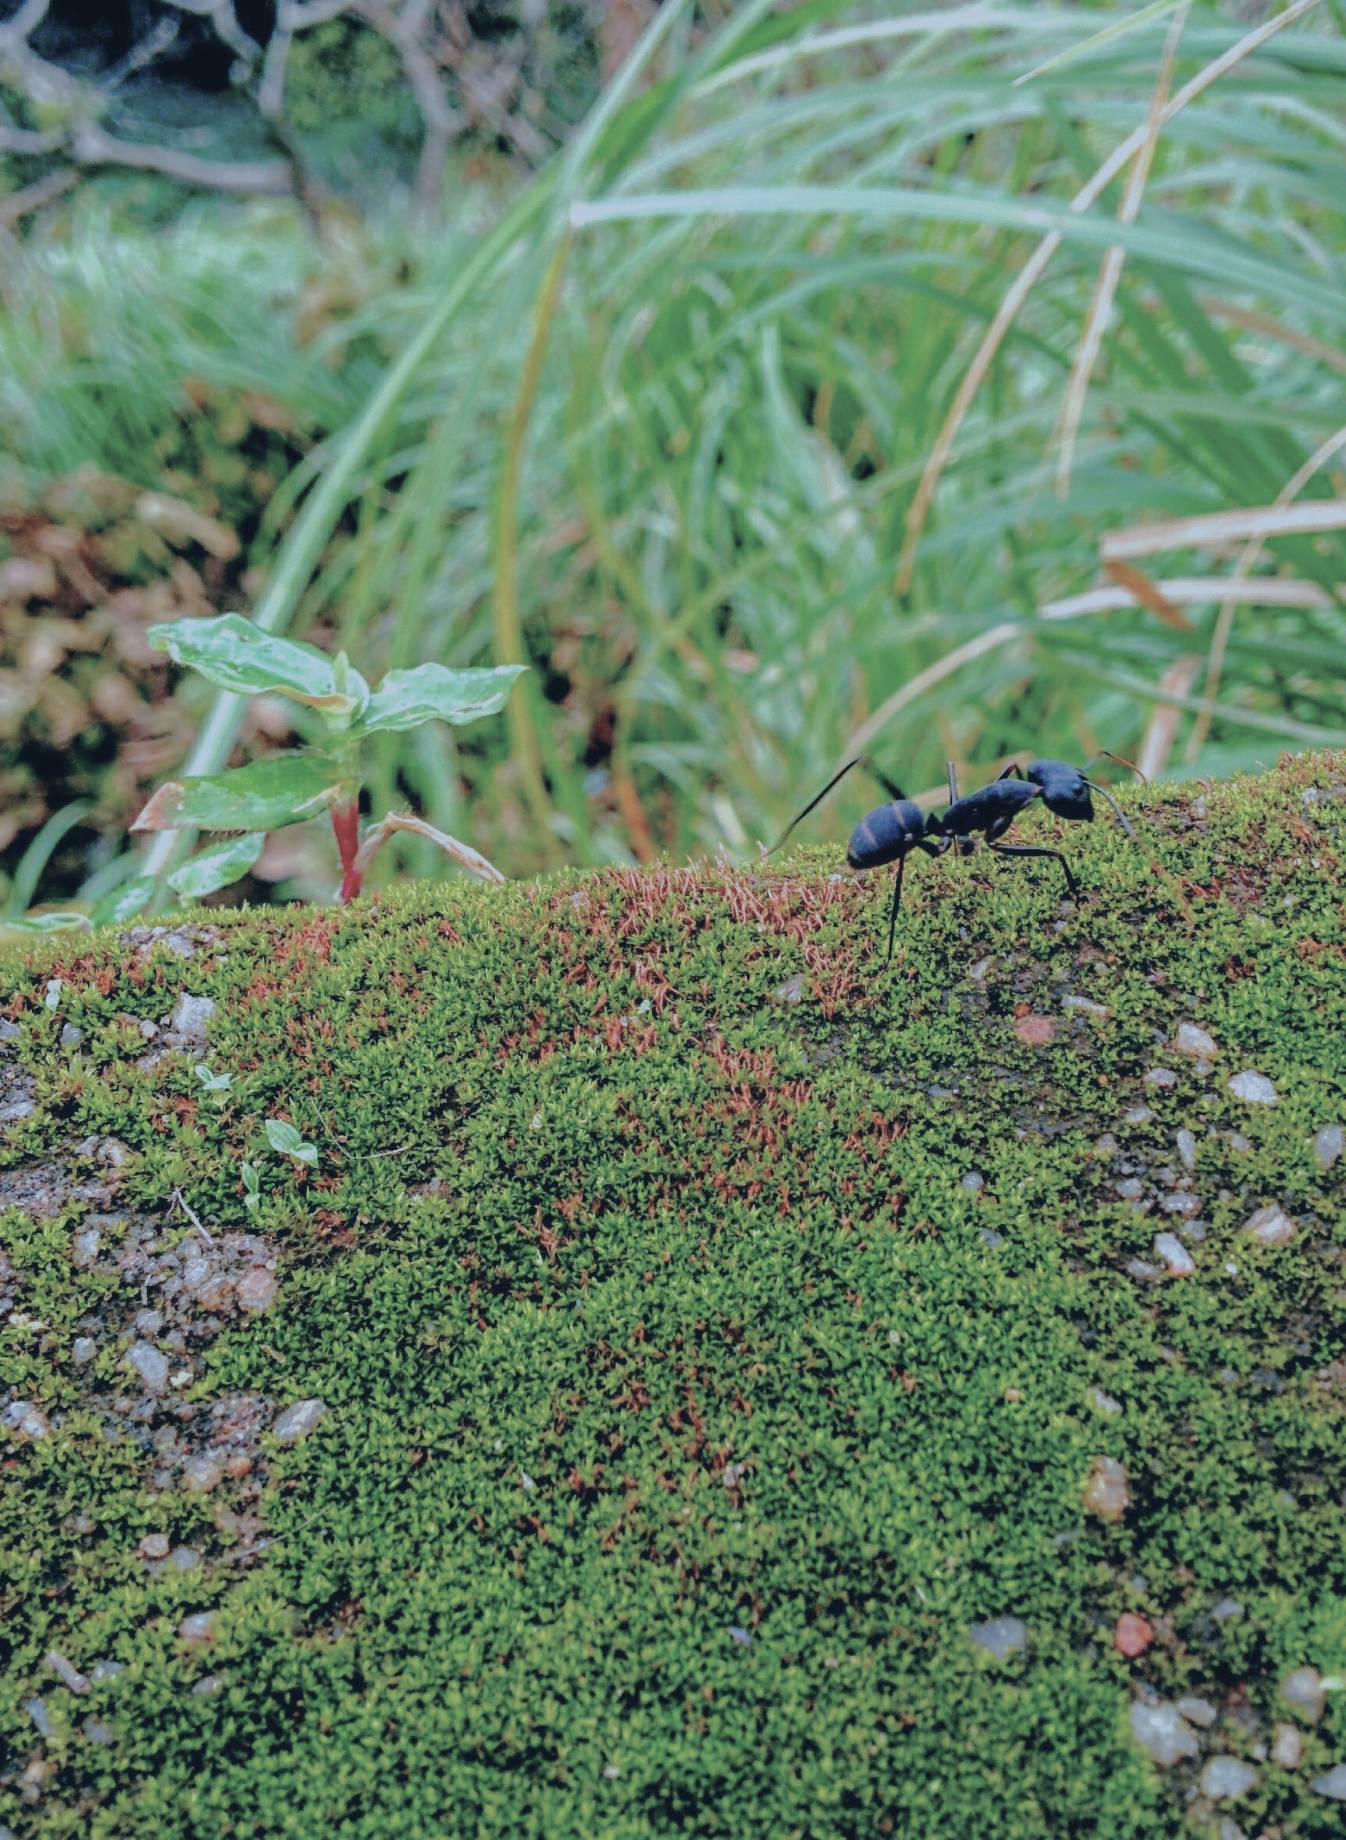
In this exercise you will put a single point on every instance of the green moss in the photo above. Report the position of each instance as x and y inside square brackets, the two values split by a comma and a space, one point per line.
[687, 1399]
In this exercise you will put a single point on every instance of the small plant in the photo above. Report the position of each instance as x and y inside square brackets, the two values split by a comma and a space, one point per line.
[286, 1141]
[252, 1188]
[216, 1084]
[234, 654]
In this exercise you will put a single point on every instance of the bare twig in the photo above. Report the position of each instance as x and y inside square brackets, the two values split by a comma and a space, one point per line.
[178, 1199]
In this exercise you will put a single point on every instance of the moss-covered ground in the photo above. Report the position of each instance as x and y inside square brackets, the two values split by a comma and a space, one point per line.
[713, 1328]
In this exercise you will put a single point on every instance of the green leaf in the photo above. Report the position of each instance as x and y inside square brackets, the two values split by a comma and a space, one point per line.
[216, 867]
[124, 903]
[237, 655]
[286, 1141]
[264, 796]
[47, 923]
[433, 693]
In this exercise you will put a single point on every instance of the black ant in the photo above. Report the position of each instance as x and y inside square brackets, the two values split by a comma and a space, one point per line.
[891, 832]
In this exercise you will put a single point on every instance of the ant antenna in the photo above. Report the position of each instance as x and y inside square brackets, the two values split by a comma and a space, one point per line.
[812, 802]
[1122, 761]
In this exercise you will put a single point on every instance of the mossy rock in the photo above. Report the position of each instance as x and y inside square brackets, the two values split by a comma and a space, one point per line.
[714, 1329]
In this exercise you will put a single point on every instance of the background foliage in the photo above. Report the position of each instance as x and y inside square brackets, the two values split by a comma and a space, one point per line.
[663, 433]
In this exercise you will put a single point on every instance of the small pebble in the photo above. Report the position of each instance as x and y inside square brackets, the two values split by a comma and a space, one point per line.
[71, 1037]
[791, 991]
[1103, 1402]
[1226, 1777]
[297, 1421]
[1288, 1747]
[1162, 1731]
[1328, 1145]
[1132, 1635]
[149, 1322]
[1186, 1149]
[733, 1474]
[1003, 1635]
[1130, 1188]
[208, 1684]
[1141, 1270]
[150, 1364]
[1254, 1088]
[67, 1672]
[202, 1473]
[38, 1713]
[106, 1670]
[1333, 1784]
[256, 1289]
[1270, 1226]
[1181, 1203]
[1107, 1491]
[1198, 1711]
[199, 1627]
[1228, 1610]
[742, 1636]
[1194, 1042]
[184, 1558]
[974, 1181]
[97, 1732]
[1229, 1830]
[989, 1237]
[1163, 1077]
[154, 1546]
[84, 1247]
[1303, 1689]
[189, 1021]
[1106, 1145]
[1174, 1254]
[25, 1420]
[1087, 1006]
[1139, 1114]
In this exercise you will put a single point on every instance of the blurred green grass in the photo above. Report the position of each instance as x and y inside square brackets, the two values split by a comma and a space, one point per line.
[662, 434]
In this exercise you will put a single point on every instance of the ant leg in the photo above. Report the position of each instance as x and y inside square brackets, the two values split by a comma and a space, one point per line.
[861, 760]
[1024, 849]
[1122, 818]
[1012, 771]
[897, 902]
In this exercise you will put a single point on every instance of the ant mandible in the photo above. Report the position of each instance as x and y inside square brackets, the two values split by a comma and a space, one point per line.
[891, 832]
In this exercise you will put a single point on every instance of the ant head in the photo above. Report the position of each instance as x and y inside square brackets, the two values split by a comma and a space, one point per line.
[1065, 790]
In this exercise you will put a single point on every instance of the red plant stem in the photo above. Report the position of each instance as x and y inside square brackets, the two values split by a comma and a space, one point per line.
[346, 827]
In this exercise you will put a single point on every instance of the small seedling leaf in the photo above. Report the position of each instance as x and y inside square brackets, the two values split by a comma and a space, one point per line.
[216, 867]
[263, 796]
[238, 655]
[47, 923]
[433, 693]
[286, 1141]
[124, 903]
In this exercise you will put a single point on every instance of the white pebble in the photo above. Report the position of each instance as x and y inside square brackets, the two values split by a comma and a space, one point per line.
[1226, 1777]
[1174, 1254]
[201, 1474]
[1162, 1731]
[1288, 1747]
[1087, 1006]
[974, 1181]
[1198, 1711]
[1103, 1402]
[38, 1713]
[150, 1364]
[1194, 1042]
[25, 1419]
[1003, 1635]
[84, 1350]
[1107, 1490]
[1139, 1114]
[1161, 1076]
[67, 1672]
[1182, 1203]
[256, 1289]
[1254, 1088]
[200, 1627]
[1333, 1784]
[1228, 1610]
[298, 1420]
[1270, 1226]
[1303, 1689]
[1328, 1145]
[1186, 1149]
